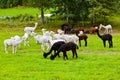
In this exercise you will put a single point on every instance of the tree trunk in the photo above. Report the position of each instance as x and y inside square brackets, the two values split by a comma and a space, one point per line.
[42, 15]
[93, 19]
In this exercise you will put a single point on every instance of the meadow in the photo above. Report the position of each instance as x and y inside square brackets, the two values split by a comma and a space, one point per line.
[19, 10]
[94, 62]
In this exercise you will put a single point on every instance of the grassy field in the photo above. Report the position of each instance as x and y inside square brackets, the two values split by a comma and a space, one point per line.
[19, 10]
[93, 63]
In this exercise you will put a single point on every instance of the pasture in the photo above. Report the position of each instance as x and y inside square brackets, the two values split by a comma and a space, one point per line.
[93, 63]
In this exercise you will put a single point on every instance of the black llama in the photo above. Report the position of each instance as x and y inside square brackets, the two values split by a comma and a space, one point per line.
[54, 47]
[105, 37]
[66, 47]
[66, 28]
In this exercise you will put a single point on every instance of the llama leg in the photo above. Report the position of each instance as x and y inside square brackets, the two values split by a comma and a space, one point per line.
[73, 53]
[24, 43]
[6, 49]
[42, 47]
[27, 43]
[13, 49]
[80, 43]
[65, 55]
[55, 51]
[85, 42]
[104, 43]
[110, 44]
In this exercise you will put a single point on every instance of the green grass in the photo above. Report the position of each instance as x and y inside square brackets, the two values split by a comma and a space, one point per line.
[22, 10]
[18, 11]
[93, 63]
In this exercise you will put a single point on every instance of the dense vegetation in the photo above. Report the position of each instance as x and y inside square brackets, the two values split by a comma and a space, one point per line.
[94, 11]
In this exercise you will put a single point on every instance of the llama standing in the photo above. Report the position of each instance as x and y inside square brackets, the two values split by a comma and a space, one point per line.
[108, 28]
[30, 29]
[12, 42]
[82, 37]
[25, 38]
[105, 37]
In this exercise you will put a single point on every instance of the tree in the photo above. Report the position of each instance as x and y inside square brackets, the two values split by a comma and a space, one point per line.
[101, 9]
[74, 10]
[42, 5]
[3, 3]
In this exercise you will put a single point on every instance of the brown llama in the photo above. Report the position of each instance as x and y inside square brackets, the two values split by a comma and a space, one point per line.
[82, 37]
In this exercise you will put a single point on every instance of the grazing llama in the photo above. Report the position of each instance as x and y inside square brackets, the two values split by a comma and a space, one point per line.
[54, 47]
[64, 48]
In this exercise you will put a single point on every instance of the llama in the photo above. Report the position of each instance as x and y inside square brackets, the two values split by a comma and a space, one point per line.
[12, 42]
[104, 38]
[25, 39]
[65, 37]
[66, 47]
[44, 40]
[91, 30]
[108, 28]
[36, 37]
[71, 38]
[66, 28]
[30, 29]
[43, 31]
[54, 47]
[82, 37]
[57, 36]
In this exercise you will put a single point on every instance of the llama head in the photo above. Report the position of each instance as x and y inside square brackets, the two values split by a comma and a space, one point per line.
[52, 57]
[33, 34]
[100, 26]
[45, 55]
[36, 23]
[43, 29]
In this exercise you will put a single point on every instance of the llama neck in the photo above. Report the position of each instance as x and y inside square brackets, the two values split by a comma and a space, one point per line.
[103, 26]
[43, 32]
[20, 41]
[99, 34]
[35, 26]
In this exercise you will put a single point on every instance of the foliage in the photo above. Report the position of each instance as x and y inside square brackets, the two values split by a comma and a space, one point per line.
[76, 10]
